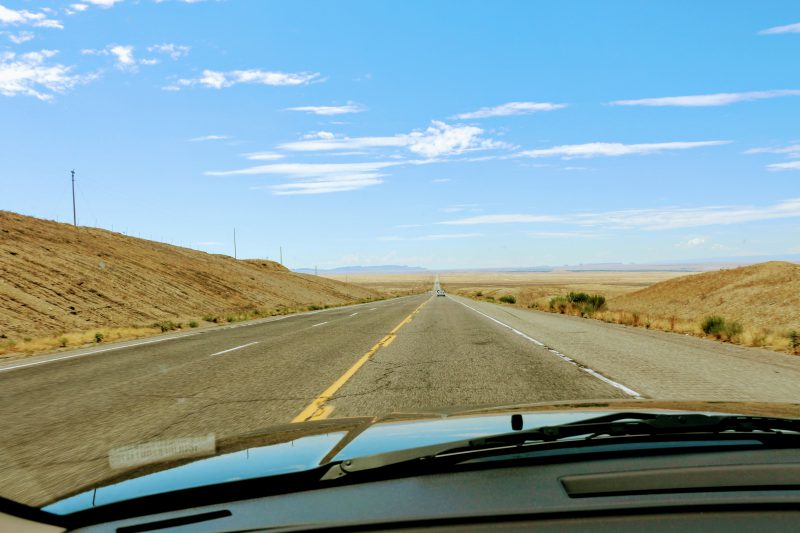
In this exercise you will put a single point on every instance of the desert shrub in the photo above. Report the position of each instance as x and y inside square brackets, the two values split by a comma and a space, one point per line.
[533, 305]
[230, 318]
[98, 337]
[713, 325]
[733, 330]
[167, 325]
[490, 298]
[479, 294]
[63, 342]
[193, 324]
[559, 303]
[508, 299]
[794, 341]
[314, 307]
[587, 304]
[577, 297]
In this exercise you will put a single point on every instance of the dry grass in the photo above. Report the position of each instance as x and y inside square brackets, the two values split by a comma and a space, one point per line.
[56, 278]
[764, 298]
[533, 289]
[25, 346]
[70, 340]
[57, 281]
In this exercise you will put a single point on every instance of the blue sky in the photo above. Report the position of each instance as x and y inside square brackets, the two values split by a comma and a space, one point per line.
[438, 134]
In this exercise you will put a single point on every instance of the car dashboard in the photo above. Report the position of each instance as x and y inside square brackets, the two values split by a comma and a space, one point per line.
[694, 491]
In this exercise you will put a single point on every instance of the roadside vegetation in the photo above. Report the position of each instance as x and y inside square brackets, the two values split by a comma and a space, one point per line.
[586, 305]
[578, 303]
[22, 346]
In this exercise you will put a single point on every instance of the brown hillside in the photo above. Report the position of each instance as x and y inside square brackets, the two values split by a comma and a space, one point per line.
[56, 278]
[766, 295]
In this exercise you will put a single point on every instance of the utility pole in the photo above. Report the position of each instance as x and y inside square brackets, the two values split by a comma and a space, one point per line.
[315, 270]
[234, 243]
[74, 213]
[281, 254]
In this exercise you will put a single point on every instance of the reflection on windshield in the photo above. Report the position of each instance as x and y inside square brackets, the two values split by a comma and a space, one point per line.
[293, 456]
[127, 457]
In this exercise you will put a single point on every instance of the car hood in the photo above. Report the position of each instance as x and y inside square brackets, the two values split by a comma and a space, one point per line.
[194, 461]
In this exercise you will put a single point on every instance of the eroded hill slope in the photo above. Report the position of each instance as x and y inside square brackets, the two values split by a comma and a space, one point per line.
[55, 278]
[765, 295]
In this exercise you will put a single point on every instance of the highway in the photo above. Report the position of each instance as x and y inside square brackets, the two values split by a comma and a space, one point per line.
[62, 413]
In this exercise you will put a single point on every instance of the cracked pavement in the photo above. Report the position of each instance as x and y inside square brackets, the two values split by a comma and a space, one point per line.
[61, 419]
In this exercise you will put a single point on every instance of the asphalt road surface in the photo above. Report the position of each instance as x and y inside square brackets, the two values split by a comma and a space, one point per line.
[61, 414]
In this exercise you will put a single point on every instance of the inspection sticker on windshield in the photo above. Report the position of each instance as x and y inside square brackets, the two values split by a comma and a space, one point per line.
[161, 450]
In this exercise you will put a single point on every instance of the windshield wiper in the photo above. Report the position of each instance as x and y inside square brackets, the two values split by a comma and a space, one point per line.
[646, 425]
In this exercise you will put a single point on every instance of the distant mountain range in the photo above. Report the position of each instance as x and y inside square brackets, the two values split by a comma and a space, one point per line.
[376, 269]
[697, 265]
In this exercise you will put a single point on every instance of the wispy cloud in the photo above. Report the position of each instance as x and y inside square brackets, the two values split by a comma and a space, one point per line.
[123, 55]
[214, 79]
[31, 75]
[209, 138]
[789, 28]
[793, 150]
[316, 178]
[328, 110]
[441, 180]
[23, 17]
[653, 218]
[319, 135]
[20, 36]
[263, 156]
[173, 51]
[76, 8]
[511, 108]
[598, 149]
[708, 100]
[792, 165]
[438, 140]
[693, 242]
[103, 3]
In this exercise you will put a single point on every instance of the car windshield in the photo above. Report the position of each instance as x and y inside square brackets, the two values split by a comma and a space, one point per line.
[235, 235]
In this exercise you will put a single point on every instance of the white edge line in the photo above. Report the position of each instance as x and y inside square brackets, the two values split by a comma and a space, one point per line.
[93, 352]
[237, 348]
[354, 314]
[320, 324]
[591, 372]
[183, 336]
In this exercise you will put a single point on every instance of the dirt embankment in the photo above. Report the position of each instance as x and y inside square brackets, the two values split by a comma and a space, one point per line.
[765, 295]
[55, 278]
[756, 305]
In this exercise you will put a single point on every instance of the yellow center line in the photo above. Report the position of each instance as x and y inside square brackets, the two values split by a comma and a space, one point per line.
[317, 410]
